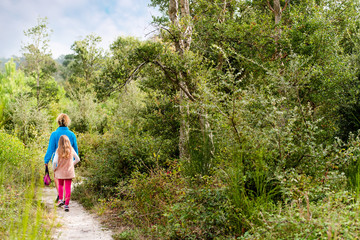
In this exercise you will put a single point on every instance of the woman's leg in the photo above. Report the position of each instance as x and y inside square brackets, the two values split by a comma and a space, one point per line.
[67, 191]
[61, 188]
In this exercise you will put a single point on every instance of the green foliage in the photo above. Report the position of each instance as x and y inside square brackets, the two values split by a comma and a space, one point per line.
[118, 67]
[19, 112]
[201, 213]
[263, 107]
[26, 121]
[150, 195]
[39, 63]
[349, 153]
[262, 116]
[19, 183]
[202, 162]
[12, 83]
[86, 113]
[163, 6]
[50, 91]
[86, 64]
[9, 146]
[117, 156]
[160, 119]
[127, 235]
[332, 218]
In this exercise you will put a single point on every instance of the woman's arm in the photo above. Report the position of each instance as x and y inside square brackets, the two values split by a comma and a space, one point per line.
[75, 145]
[51, 149]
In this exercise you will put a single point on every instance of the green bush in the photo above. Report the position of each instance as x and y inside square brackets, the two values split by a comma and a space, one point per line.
[333, 218]
[12, 151]
[87, 115]
[148, 195]
[113, 157]
[26, 121]
[201, 213]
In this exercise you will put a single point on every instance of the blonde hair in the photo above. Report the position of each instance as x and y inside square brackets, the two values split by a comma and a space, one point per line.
[63, 120]
[64, 147]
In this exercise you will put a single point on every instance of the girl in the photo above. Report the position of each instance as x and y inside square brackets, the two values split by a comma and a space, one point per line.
[63, 165]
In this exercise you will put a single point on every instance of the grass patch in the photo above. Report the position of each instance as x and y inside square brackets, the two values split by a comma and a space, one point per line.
[22, 214]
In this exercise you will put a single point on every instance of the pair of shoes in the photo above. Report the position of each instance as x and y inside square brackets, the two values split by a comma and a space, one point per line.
[57, 199]
[60, 203]
[66, 208]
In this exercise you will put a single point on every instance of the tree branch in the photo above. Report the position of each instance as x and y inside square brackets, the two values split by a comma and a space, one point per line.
[175, 81]
[270, 6]
[286, 3]
[118, 87]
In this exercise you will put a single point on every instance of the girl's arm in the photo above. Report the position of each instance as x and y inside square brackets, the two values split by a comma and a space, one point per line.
[55, 161]
[77, 159]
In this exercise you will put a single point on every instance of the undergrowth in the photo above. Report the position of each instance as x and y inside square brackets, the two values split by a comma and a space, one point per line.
[22, 214]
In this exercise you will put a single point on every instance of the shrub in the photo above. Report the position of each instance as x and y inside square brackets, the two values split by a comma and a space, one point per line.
[113, 157]
[200, 213]
[332, 218]
[86, 113]
[26, 121]
[12, 151]
[148, 196]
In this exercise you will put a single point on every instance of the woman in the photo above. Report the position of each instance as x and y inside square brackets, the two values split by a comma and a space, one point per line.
[64, 121]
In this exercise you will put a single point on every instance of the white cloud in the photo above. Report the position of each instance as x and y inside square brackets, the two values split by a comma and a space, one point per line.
[72, 20]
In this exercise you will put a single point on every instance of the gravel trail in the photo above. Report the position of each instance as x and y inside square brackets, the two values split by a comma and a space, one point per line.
[75, 224]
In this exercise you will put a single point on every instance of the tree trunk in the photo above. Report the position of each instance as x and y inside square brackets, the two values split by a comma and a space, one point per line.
[277, 11]
[185, 14]
[182, 44]
[38, 88]
[184, 126]
[174, 17]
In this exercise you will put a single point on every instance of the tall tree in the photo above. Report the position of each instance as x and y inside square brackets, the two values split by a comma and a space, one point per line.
[86, 63]
[182, 44]
[38, 60]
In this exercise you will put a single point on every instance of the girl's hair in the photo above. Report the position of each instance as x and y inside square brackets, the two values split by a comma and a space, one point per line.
[63, 120]
[64, 148]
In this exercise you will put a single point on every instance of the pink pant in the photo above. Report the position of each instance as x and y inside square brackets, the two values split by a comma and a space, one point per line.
[67, 183]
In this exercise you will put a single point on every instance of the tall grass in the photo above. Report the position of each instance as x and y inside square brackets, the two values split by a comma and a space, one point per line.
[22, 213]
[354, 177]
[201, 162]
[249, 191]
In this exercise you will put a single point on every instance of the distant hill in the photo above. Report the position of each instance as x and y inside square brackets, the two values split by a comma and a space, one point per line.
[18, 60]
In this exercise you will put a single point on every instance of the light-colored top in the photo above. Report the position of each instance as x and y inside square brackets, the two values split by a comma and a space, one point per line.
[64, 168]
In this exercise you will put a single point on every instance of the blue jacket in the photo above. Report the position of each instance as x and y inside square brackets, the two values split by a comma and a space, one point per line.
[54, 140]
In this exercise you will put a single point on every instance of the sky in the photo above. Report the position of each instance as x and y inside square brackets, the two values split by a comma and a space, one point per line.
[73, 20]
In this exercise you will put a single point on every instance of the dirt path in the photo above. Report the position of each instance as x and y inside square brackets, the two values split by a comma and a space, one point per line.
[75, 224]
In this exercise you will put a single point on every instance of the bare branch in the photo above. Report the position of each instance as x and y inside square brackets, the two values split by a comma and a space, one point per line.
[286, 3]
[175, 81]
[270, 6]
[130, 77]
